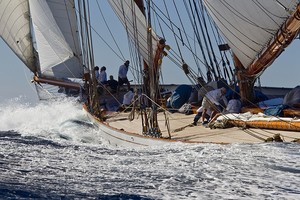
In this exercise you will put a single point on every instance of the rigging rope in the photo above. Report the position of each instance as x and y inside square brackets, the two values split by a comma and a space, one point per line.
[196, 32]
[104, 19]
[172, 28]
[202, 27]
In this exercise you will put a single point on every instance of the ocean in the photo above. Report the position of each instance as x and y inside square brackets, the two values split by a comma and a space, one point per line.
[49, 150]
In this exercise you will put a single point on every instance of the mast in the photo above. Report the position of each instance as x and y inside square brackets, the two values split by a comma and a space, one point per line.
[146, 77]
[149, 47]
[93, 101]
[245, 84]
[154, 62]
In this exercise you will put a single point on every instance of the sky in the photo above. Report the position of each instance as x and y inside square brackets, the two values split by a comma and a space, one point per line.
[15, 78]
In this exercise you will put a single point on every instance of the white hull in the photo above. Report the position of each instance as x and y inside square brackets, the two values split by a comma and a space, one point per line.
[119, 131]
[117, 137]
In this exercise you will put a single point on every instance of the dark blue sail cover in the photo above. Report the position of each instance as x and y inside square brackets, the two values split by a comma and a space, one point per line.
[180, 96]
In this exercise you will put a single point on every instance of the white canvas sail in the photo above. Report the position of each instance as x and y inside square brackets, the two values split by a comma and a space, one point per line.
[248, 26]
[135, 24]
[15, 29]
[64, 14]
[54, 25]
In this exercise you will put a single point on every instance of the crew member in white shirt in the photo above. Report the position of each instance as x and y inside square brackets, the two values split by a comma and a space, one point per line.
[103, 75]
[127, 98]
[211, 101]
[122, 76]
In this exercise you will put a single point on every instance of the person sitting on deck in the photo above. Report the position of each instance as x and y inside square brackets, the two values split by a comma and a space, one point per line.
[112, 84]
[234, 105]
[127, 99]
[211, 101]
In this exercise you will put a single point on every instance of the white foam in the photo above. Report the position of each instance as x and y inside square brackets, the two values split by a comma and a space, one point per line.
[49, 119]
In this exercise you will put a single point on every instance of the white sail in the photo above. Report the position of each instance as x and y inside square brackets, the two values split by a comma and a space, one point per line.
[57, 41]
[248, 26]
[15, 29]
[135, 24]
[64, 13]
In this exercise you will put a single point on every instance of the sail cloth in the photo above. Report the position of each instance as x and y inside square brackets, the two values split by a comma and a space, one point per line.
[65, 17]
[15, 29]
[135, 24]
[54, 24]
[248, 26]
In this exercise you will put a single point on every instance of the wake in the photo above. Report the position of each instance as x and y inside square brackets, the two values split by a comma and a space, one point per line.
[61, 119]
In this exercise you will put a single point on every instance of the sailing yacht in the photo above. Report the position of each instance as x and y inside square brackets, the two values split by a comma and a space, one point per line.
[224, 43]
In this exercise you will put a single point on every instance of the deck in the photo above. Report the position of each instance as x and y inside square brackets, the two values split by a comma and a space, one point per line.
[182, 130]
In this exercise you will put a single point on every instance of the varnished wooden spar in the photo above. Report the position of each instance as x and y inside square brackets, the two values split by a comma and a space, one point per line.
[57, 82]
[265, 124]
[247, 75]
[246, 85]
[284, 37]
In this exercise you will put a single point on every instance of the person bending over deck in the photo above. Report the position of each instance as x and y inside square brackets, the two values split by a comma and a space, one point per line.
[199, 114]
[211, 101]
[234, 106]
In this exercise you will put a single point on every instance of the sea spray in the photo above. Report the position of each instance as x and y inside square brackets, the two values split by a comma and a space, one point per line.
[58, 119]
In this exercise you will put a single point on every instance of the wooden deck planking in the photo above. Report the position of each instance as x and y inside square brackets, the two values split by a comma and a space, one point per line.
[199, 133]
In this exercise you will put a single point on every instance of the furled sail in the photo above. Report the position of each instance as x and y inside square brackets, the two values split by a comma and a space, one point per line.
[135, 24]
[15, 29]
[250, 26]
[54, 25]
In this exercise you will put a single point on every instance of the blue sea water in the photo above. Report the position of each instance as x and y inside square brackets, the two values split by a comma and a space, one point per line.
[50, 151]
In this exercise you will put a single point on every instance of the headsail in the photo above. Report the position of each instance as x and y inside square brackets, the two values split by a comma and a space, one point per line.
[54, 24]
[15, 29]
